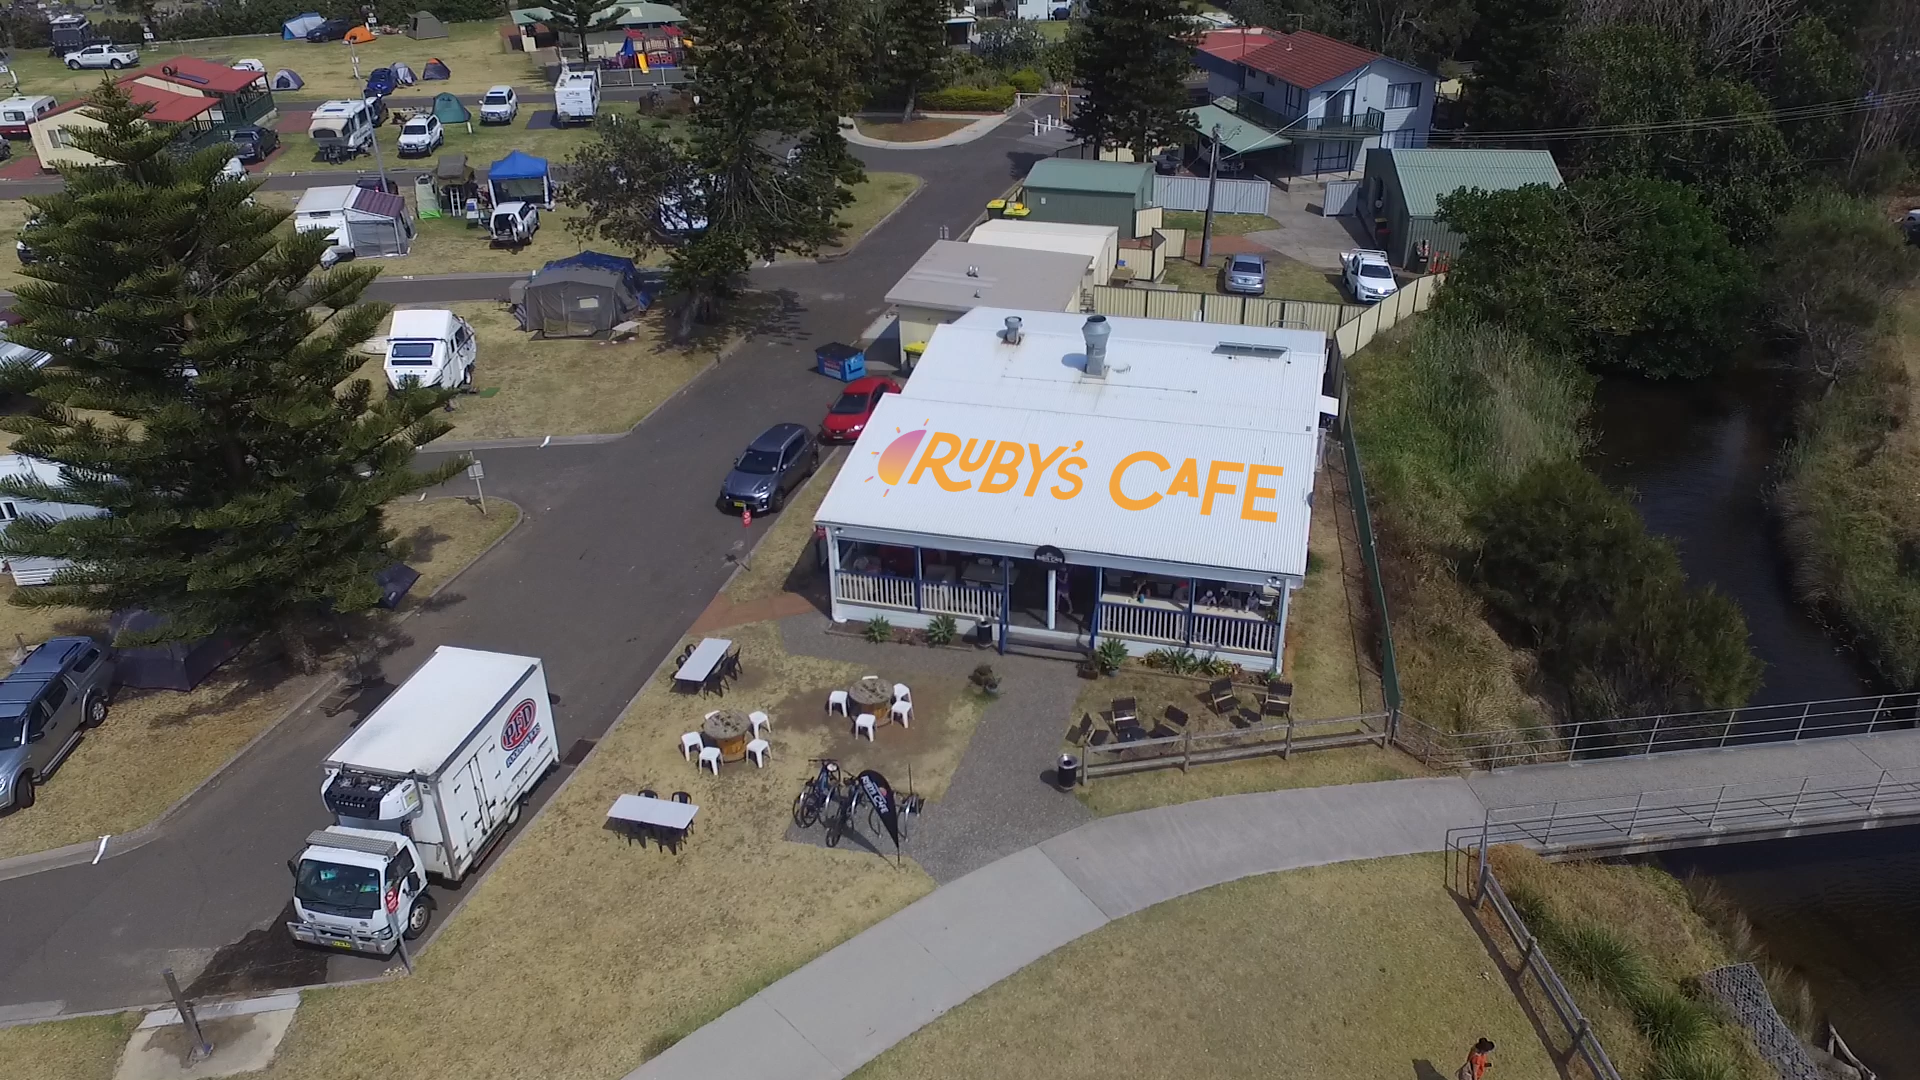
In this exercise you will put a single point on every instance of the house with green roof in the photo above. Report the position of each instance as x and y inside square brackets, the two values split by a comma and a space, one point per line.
[1400, 192]
[1079, 192]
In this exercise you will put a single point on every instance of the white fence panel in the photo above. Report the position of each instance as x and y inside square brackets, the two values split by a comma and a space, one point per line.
[1229, 196]
[1339, 198]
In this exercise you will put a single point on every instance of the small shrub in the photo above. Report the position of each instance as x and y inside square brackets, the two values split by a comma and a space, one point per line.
[1026, 81]
[942, 630]
[878, 630]
[1110, 655]
[1673, 1022]
[984, 678]
[967, 99]
[1602, 957]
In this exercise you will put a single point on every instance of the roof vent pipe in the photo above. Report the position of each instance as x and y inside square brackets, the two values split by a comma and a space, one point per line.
[1096, 331]
[1011, 335]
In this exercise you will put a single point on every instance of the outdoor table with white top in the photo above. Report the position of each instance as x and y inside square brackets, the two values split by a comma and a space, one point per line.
[653, 813]
[701, 662]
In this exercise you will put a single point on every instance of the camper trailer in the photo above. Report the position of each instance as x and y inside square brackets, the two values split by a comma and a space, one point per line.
[18, 112]
[576, 96]
[342, 128]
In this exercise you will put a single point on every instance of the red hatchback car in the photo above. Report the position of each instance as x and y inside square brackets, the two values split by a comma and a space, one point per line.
[849, 415]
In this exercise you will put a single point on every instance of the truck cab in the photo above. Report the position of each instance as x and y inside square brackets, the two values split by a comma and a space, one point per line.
[431, 347]
[359, 890]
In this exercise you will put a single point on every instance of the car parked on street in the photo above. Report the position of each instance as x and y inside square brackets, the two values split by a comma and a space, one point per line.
[1369, 275]
[774, 464]
[254, 144]
[1245, 274]
[499, 106]
[103, 56]
[421, 135]
[58, 692]
[848, 416]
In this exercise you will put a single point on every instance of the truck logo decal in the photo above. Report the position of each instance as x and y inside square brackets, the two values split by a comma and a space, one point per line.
[520, 726]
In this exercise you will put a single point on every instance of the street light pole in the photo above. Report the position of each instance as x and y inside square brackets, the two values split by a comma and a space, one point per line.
[1213, 178]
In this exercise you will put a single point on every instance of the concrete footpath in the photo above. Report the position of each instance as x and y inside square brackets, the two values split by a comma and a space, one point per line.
[853, 1002]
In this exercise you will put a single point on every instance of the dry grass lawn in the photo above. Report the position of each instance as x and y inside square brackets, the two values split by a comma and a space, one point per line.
[1223, 224]
[158, 745]
[647, 945]
[531, 386]
[84, 1049]
[922, 129]
[1287, 279]
[472, 51]
[1354, 970]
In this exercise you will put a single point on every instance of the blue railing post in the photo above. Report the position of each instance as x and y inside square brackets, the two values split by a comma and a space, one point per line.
[1099, 594]
[917, 575]
[1191, 589]
[1006, 601]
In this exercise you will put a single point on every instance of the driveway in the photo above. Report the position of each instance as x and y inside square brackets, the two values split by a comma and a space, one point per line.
[620, 549]
[1304, 235]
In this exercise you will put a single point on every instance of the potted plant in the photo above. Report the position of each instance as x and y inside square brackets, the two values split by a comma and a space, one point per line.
[984, 678]
[1088, 668]
[1110, 655]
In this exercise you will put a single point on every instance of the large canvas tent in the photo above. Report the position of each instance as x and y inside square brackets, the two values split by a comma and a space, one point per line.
[425, 24]
[173, 665]
[579, 297]
[520, 177]
[288, 79]
[295, 29]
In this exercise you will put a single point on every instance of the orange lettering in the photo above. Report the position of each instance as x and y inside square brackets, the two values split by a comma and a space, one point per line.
[936, 461]
[1215, 487]
[1002, 466]
[1187, 480]
[1040, 464]
[1120, 497]
[1256, 491]
[1070, 477]
[969, 463]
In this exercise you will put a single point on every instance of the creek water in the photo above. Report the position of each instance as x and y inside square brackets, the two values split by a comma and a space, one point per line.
[1841, 909]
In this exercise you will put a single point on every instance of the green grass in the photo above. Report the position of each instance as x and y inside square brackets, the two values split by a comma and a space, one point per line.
[472, 51]
[85, 1049]
[879, 195]
[1354, 970]
[1287, 279]
[1223, 224]
[484, 145]
[1850, 505]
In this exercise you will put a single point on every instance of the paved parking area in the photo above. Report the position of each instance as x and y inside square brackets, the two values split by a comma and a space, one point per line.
[1304, 235]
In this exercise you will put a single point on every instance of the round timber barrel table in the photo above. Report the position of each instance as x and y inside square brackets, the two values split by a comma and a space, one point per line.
[871, 692]
[727, 729]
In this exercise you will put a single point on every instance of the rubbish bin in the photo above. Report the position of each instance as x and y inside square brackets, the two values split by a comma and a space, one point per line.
[1068, 773]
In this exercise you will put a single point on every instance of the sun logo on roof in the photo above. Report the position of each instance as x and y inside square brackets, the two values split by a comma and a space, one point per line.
[893, 460]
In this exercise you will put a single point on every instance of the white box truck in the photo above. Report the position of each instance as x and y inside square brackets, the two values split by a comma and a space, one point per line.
[425, 785]
[576, 96]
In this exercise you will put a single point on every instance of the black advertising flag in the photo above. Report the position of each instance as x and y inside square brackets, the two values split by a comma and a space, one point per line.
[879, 794]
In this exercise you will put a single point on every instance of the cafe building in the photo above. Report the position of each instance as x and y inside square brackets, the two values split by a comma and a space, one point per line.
[1055, 479]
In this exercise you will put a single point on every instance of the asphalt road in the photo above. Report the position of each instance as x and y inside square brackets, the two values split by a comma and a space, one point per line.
[620, 549]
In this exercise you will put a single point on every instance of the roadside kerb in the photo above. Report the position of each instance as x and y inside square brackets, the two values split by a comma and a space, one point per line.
[119, 844]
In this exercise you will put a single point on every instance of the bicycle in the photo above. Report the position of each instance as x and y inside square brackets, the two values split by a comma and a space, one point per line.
[818, 794]
[840, 811]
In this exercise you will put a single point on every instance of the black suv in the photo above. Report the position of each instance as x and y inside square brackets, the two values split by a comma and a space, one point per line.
[774, 464]
[60, 690]
[254, 144]
[331, 30]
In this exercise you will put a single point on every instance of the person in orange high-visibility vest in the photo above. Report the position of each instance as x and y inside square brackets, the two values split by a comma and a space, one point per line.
[1477, 1060]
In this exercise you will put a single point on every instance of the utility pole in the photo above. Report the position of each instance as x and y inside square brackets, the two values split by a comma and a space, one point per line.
[1213, 178]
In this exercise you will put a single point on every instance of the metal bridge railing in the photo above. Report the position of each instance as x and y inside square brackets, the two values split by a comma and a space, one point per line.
[1662, 733]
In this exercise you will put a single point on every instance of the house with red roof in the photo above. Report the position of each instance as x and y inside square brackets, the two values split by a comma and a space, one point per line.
[1297, 103]
[204, 100]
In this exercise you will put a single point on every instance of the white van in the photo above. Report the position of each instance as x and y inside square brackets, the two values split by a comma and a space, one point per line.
[432, 347]
[18, 112]
[343, 127]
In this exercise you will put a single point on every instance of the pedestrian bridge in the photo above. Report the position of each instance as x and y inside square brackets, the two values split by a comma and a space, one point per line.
[1700, 797]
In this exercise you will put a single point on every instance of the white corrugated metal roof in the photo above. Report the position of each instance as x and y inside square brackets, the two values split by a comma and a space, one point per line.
[1092, 241]
[1168, 393]
[953, 276]
[419, 726]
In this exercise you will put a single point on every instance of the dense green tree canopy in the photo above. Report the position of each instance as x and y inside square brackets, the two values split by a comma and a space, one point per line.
[1132, 57]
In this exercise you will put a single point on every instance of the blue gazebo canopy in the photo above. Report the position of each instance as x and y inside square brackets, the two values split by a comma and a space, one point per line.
[518, 166]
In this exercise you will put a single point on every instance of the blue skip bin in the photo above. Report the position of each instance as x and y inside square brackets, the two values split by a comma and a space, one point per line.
[843, 362]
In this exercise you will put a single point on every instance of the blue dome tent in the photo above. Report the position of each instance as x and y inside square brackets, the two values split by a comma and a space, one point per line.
[520, 177]
[295, 29]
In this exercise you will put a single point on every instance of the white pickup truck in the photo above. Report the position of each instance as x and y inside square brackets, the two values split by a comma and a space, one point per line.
[103, 56]
[1369, 275]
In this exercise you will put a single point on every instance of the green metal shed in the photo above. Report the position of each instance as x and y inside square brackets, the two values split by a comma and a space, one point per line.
[1400, 191]
[1089, 192]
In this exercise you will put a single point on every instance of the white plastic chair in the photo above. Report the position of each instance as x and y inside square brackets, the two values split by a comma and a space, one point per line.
[903, 713]
[710, 757]
[863, 722]
[690, 742]
[759, 720]
[901, 693]
[840, 698]
[757, 750]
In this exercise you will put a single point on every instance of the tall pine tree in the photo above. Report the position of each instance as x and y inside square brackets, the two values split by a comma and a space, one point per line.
[241, 473]
[763, 168]
[911, 46]
[576, 19]
[1516, 84]
[1133, 57]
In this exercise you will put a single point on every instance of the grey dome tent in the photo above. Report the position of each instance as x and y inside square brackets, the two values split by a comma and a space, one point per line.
[435, 70]
[425, 24]
[295, 29]
[288, 79]
[402, 74]
[585, 295]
